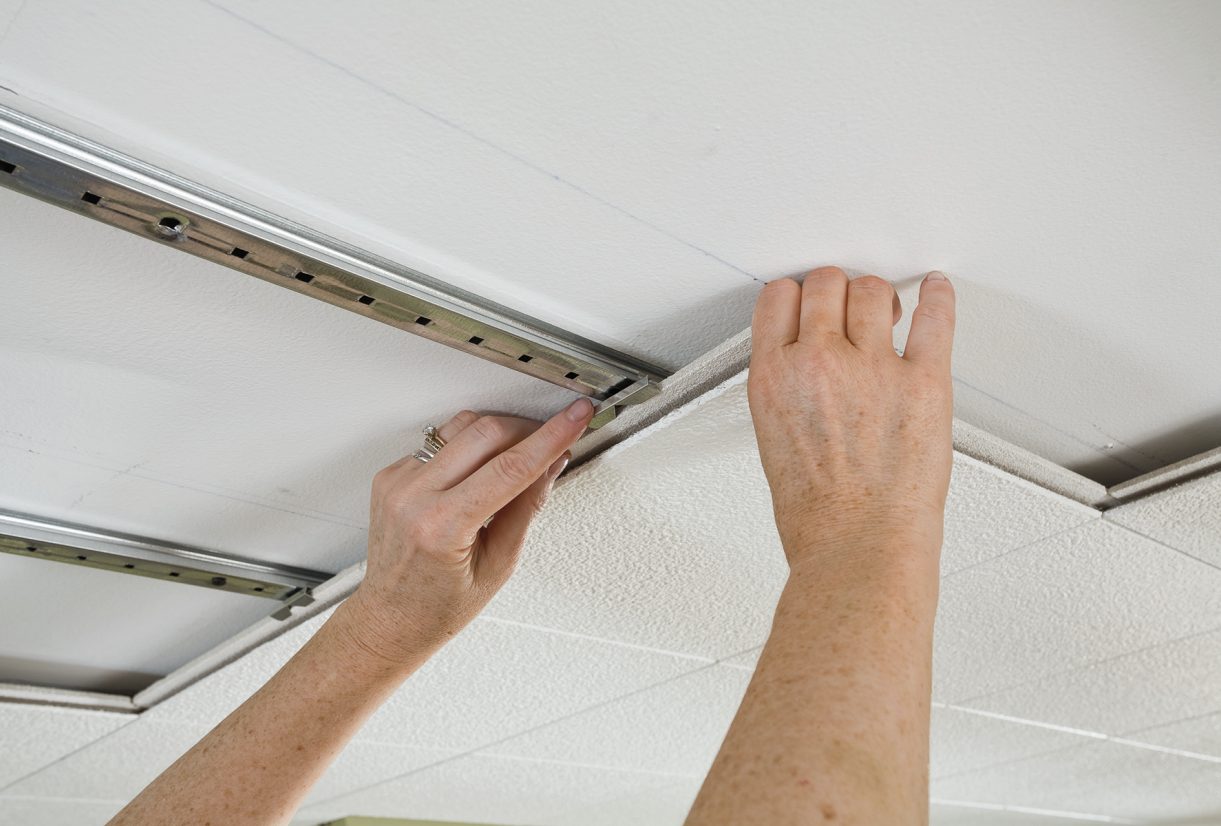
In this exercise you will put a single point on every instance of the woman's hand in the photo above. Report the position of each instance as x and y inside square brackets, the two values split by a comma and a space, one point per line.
[434, 559]
[855, 440]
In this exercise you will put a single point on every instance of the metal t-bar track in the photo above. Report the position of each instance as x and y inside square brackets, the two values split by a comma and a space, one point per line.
[45, 162]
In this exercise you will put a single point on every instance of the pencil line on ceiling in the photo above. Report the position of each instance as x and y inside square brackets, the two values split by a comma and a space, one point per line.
[468, 133]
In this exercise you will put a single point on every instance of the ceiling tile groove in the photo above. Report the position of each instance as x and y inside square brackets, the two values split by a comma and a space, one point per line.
[460, 129]
[64, 757]
[1093, 664]
[486, 617]
[1163, 543]
[483, 747]
[957, 571]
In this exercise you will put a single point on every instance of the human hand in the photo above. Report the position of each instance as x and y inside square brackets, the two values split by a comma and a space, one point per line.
[855, 440]
[433, 561]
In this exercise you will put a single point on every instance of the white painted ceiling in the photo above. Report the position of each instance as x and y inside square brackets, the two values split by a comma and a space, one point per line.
[633, 170]
[1077, 663]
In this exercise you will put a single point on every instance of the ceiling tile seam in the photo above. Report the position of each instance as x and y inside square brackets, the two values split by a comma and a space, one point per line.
[471, 135]
[1086, 444]
[1085, 523]
[63, 757]
[550, 761]
[1060, 814]
[1110, 521]
[1092, 664]
[648, 649]
[522, 733]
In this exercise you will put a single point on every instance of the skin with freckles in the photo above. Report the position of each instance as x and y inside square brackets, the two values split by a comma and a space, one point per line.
[433, 565]
[855, 441]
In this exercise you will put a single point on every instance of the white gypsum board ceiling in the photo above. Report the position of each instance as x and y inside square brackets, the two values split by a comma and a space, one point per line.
[632, 171]
[1077, 662]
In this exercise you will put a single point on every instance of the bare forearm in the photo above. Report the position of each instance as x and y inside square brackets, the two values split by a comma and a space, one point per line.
[834, 726]
[258, 764]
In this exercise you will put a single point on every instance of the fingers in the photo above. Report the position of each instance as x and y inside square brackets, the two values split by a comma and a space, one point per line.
[932, 332]
[507, 532]
[473, 447]
[870, 313]
[447, 431]
[776, 319]
[507, 474]
[450, 430]
[824, 296]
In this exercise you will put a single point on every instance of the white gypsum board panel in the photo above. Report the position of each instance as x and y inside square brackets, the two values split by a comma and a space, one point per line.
[1057, 159]
[364, 168]
[159, 394]
[73, 627]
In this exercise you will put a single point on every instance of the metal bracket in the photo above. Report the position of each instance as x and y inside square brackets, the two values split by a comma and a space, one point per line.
[36, 538]
[47, 163]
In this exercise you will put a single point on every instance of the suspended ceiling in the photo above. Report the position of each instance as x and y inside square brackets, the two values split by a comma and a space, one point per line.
[631, 173]
[1076, 662]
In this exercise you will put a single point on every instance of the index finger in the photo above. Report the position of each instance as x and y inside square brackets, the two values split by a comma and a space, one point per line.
[506, 475]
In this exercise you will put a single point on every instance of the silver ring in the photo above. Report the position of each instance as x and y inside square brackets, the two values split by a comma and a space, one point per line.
[432, 443]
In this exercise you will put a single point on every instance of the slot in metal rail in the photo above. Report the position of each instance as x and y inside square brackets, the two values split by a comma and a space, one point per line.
[47, 163]
[35, 537]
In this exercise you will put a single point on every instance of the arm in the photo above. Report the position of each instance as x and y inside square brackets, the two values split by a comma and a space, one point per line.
[855, 442]
[432, 567]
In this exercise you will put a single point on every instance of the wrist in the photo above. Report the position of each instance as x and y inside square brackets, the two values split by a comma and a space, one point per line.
[370, 646]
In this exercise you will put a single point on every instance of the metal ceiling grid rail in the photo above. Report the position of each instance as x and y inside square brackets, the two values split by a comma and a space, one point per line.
[47, 163]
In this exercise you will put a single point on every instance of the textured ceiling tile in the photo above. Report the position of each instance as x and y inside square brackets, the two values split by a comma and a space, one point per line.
[674, 728]
[1101, 778]
[46, 485]
[47, 812]
[1201, 735]
[116, 767]
[1187, 517]
[960, 741]
[949, 815]
[363, 763]
[1079, 597]
[989, 512]
[497, 680]
[493, 681]
[375, 170]
[1146, 688]
[652, 806]
[668, 540]
[35, 736]
[481, 789]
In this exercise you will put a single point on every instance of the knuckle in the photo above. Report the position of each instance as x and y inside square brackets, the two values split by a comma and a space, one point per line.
[870, 284]
[827, 273]
[514, 467]
[936, 314]
[465, 418]
[491, 428]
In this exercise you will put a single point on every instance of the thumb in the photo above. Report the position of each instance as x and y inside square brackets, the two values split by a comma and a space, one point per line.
[505, 535]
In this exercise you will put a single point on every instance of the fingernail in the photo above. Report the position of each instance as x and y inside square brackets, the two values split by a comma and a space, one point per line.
[579, 410]
[936, 275]
[557, 467]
